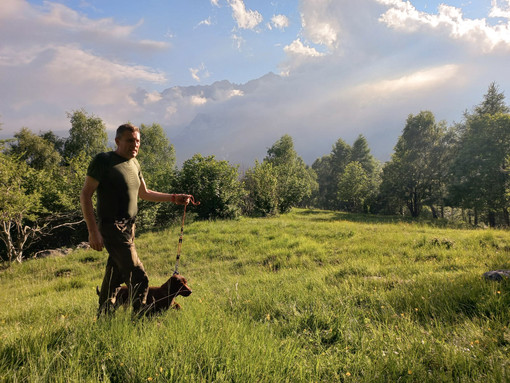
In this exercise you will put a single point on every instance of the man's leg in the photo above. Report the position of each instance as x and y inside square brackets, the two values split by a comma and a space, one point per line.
[109, 288]
[119, 241]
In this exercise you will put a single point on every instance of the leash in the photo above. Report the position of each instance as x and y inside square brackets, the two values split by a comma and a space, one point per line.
[192, 200]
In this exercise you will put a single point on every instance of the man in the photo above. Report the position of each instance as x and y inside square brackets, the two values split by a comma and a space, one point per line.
[118, 180]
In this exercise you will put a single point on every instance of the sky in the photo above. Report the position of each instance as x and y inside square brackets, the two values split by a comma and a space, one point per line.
[230, 77]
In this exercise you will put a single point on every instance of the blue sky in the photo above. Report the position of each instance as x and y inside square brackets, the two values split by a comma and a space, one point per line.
[347, 67]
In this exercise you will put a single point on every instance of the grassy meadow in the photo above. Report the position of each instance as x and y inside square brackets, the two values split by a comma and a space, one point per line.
[311, 296]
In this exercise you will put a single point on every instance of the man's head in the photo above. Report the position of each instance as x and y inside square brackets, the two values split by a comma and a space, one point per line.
[127, 139]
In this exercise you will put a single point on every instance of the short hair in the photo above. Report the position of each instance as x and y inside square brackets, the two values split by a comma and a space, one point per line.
[126, 128]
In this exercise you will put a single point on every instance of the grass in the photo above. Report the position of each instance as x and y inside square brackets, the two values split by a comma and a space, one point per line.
[311, 296]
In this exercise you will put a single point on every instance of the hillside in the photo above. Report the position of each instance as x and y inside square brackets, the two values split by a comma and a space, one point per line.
[308, 296]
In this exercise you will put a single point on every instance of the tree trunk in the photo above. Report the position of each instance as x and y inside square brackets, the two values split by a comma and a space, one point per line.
[492, 218]
[506, 216]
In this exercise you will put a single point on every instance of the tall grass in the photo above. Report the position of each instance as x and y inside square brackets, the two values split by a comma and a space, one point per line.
[311, 296]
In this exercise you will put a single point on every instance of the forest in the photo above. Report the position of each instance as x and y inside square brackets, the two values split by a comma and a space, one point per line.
[455, 173]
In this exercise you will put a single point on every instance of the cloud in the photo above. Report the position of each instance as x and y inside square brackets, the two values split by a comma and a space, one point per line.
[298, 48]
[54, 59]
[403, 16]
[320, 25]
[207, 22]
[279, 21]
[245, 18]
[200, 73]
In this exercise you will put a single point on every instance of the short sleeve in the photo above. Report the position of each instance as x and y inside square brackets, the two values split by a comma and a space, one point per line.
[97, 167]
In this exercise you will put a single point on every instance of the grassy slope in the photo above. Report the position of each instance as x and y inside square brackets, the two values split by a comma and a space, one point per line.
[309, 296]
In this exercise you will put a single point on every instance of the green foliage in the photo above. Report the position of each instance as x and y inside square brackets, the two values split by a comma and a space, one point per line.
[214, 183]
[19, 202]
[415, 172]
[36, 151]
[354, 187]
[331, 169]
[480, 181]
[310, 296]
[87, 134]
[261, 183]
[295, 181]
[157, 159]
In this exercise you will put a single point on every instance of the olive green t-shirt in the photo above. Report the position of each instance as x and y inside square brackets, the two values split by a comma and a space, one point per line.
[119, 180]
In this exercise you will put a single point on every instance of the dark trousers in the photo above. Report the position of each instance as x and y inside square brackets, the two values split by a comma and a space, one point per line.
[123, 266]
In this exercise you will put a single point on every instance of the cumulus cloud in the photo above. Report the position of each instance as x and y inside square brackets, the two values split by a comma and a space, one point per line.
[279, 21]
[298, 48]
[500, 9]
[402, 15]
[245, 18]
[320, 24]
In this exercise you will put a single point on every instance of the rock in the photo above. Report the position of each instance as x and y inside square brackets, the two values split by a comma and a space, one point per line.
[497, 275]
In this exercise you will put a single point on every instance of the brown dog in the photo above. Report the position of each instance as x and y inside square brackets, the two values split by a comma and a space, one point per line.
[158, 298]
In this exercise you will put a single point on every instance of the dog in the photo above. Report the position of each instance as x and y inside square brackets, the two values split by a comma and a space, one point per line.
[158, 298]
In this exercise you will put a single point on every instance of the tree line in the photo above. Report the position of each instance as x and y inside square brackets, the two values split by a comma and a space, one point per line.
[433, 169]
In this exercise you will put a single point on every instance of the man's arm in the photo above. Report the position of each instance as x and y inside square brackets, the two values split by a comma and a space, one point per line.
[154, 196]
[95, 237]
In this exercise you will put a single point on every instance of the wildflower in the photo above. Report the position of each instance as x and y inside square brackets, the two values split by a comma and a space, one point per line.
[161, 369]
[149, 379]
[416, 309]
[347, 373]
[268, 317]
[410, 372]
[499, 292]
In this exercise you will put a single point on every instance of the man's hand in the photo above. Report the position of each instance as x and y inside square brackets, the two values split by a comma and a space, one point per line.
[181, 199]
[96, 240]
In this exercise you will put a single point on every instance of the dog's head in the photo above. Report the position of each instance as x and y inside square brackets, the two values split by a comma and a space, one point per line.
[178, 285]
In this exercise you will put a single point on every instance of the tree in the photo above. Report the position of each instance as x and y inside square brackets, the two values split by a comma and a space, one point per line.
[16, 206]
[87, 134]
[325, 195]
[360, 152]
[413, 174]
[329, 169]
[354, 187]
[35, 150]
[479, 171]
[157, 158]
[261, 185]
[295, 180]
[493, 102]
[214, 183]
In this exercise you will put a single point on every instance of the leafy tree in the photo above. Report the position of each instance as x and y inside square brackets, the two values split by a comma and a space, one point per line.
[479, 177]
[157, 158]
[360, 152]
[329, 168]
[413, 175]
[87, 134]
[295, 180]
[17, 205]
[214, 183]
[325, 195]
[354, 187]
[261, 184]
[35, 150]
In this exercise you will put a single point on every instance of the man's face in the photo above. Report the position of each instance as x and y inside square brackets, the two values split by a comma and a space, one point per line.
[128, 144]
